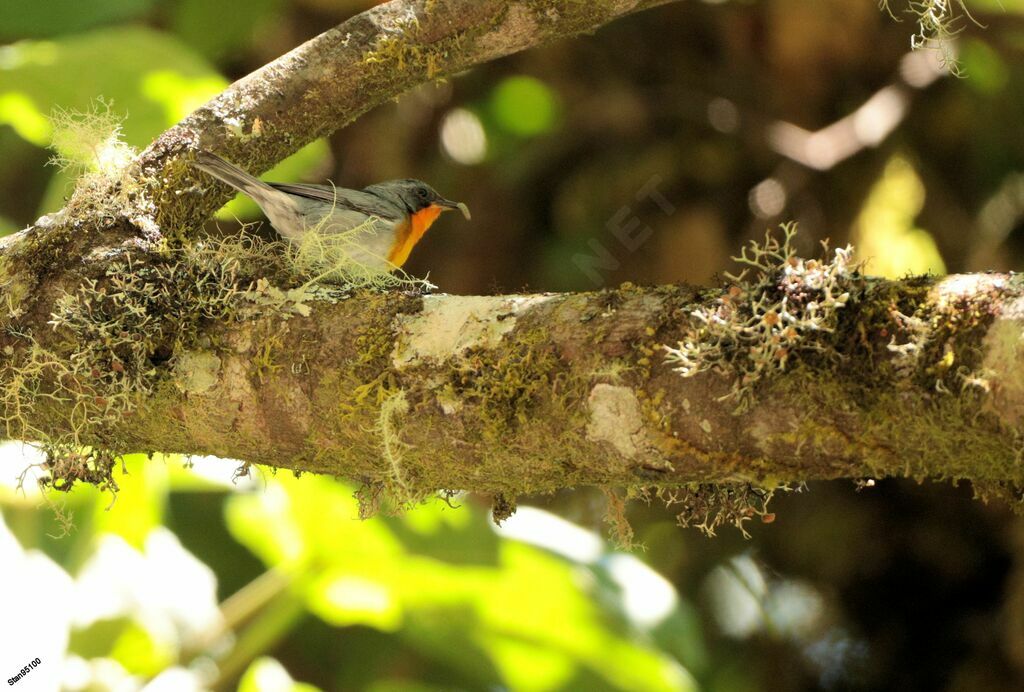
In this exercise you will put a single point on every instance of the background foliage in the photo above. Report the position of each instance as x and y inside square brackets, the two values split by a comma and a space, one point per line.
[741, 115]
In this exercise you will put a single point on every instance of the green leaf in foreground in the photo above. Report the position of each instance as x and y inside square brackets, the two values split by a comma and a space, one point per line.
[512, 614]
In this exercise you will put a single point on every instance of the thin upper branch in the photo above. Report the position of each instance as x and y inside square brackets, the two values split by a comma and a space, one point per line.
[373, 57]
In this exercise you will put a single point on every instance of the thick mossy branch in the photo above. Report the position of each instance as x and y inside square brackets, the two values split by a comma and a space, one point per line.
[203, 351]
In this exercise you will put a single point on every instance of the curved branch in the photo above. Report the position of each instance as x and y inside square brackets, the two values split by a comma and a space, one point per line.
[373, 57]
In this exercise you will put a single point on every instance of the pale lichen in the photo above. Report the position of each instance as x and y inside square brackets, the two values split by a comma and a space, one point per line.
[1003, 358]
[756, 326]
[708, 507]
[393, 408]
[938, 24]
[449, 326]
[615, 418]
[196, 371]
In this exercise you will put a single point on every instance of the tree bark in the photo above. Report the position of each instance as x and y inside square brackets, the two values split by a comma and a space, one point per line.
[532, 393]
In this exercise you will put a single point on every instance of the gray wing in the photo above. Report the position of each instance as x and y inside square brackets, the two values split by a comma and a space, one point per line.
[341, 197]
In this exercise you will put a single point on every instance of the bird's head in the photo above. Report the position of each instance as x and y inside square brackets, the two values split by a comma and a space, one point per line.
[416, 197]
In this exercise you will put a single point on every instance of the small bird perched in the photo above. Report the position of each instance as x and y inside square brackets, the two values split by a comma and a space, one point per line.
[399, 212]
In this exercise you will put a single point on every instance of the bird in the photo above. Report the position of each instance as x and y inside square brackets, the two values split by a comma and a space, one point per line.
[387, 219]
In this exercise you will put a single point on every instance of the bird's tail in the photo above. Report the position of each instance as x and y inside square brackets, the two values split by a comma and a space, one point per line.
[233, 175]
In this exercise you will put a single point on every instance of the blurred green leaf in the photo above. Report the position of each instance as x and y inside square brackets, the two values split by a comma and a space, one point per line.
[268, 675]
[343, 598]
[526, 620]
[131, 514]
[21, 19]
[237, 22]
[312, 518]
[404, 686]
[267, 526]
[186, 475]
[138, 651]
[177, 94]
[985, 69]
[886, 237]
[139, 504]
[98, 639]
[18, 111]
[147, 76]
[139, 70]
[998, 6]
[679, 634]
[524, 106]
[7, 226]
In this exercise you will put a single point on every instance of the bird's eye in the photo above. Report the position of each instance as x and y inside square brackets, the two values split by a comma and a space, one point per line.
[422, 193]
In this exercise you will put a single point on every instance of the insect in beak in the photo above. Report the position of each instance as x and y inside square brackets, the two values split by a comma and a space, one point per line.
[447, 204]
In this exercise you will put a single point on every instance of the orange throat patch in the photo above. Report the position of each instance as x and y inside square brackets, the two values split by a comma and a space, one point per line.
[407, 234]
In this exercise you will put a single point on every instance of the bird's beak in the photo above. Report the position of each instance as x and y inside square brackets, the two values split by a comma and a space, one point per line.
[447, 204]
